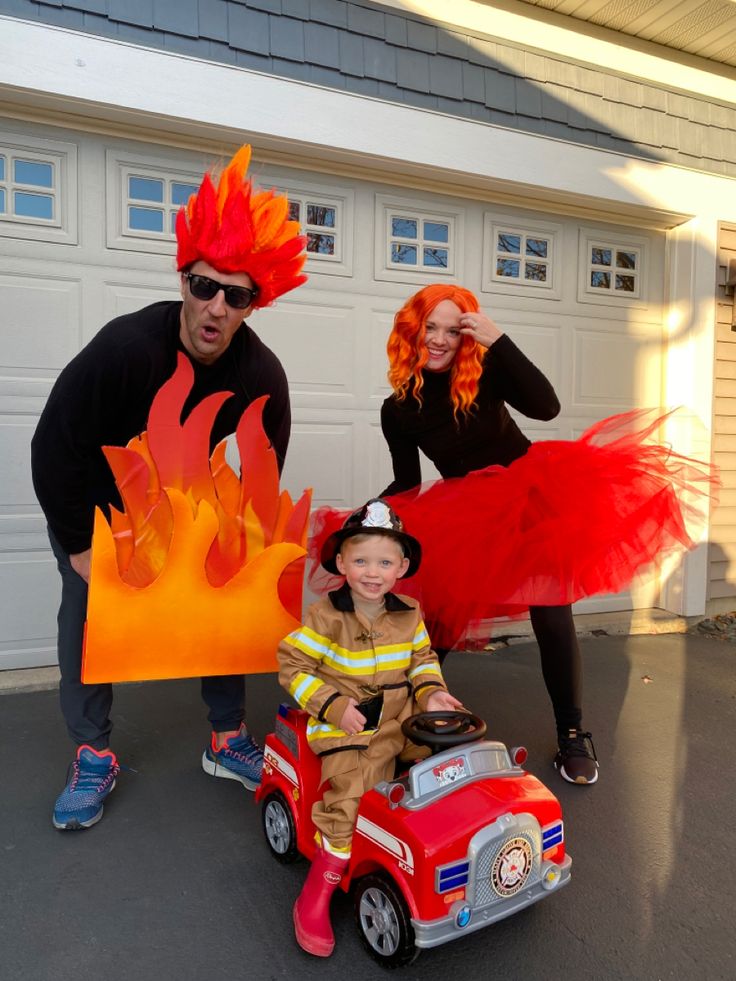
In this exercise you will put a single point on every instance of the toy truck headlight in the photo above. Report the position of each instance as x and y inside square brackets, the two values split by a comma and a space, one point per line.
[551, 875]
[463, 916]
[462, 913]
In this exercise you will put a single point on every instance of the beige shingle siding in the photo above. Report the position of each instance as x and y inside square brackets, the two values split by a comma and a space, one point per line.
[722, 553]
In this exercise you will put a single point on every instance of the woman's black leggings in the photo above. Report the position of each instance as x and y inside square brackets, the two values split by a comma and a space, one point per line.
[562, 669]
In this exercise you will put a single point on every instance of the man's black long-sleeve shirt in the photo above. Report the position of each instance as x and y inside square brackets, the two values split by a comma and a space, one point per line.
[103, 396]
[486, 435]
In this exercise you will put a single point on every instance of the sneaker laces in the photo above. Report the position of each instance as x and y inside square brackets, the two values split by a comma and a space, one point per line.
[578, 743]
[247, 751]
[92, 779]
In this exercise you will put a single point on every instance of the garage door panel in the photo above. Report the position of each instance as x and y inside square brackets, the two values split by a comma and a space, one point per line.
[31, 303]
[380, 472]
[34, 653]
[381, 322]
[24, 394]
[614, 371]
[321, 457]
[536, 431]
[22, 531]
[543, 346]
[609, 603]
[15, 452]
[121, 298]
[29, 627]
[316, 343]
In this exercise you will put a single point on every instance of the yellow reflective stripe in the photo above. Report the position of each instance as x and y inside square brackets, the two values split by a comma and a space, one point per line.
[309, 642]
[303, 687]
[421, 637]
[322, 730]
[420, 669]
[387, 657]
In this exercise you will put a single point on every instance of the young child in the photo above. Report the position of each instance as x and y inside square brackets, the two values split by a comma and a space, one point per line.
[360, 665]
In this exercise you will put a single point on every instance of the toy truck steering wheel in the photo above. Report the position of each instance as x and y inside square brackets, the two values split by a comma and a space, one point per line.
[440, 730]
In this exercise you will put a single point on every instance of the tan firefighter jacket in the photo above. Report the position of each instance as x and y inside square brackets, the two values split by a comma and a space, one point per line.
[337, 654]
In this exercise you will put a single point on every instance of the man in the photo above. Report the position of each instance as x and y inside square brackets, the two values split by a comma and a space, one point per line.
[236, 251]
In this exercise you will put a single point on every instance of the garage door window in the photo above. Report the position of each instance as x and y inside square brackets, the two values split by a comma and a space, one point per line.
[38, 189]
[419, 241]
[153, 202]
[145, 196]
[27, 189]
[325, 214]
[520, 258]
[415, 245]
[321, 220]
[612, 268]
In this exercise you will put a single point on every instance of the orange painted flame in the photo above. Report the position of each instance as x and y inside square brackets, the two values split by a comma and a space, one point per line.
[201, 573]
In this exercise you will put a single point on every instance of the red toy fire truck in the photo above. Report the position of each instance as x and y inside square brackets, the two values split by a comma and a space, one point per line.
[461, 840]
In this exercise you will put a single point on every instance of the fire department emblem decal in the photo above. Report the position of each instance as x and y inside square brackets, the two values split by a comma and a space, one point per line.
[511, 867]
[449, 771]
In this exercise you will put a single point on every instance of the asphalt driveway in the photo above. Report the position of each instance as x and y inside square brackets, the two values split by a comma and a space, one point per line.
[177, 883]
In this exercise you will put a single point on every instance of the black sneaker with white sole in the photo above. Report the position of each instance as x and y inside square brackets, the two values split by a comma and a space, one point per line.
[576, 758]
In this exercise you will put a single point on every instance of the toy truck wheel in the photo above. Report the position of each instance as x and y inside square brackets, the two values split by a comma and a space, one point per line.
[384, 922]
[278, 826]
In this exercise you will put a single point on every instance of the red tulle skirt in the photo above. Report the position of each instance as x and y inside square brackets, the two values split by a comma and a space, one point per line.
[569, 519]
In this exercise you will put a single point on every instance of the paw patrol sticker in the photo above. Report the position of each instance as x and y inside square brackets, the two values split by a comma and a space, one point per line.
[511, 867]
[449, 771]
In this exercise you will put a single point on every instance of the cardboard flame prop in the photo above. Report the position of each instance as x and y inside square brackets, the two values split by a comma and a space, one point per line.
[201, 574]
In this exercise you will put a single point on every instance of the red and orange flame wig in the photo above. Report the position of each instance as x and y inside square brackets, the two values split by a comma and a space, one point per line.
[237, 229]
[407, 352]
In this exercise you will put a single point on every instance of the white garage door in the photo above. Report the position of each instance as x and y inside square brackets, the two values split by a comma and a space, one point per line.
[86, 235]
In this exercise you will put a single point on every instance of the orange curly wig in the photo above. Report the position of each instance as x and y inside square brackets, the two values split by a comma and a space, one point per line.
[235, 228]
[407, 352]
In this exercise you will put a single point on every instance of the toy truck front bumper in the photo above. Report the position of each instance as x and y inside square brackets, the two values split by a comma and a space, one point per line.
[432, 933]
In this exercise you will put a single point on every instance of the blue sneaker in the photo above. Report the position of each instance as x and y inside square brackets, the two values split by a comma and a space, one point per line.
[241, 758]
[91, 778]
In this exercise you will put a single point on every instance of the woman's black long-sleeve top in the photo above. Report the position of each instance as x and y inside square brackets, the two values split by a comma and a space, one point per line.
[485, 436]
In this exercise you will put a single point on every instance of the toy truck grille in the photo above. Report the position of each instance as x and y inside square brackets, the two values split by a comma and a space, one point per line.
[503, 872]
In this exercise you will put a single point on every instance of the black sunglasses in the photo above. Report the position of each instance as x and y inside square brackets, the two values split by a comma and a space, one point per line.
[204, 288]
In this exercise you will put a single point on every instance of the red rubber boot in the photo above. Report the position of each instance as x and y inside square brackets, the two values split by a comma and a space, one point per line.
[312, 909]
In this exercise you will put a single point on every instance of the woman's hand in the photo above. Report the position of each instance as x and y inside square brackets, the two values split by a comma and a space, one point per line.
[480, 327]
[352, 720]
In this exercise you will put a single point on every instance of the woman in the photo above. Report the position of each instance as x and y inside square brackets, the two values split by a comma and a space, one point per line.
[515, 526]
[449, 401]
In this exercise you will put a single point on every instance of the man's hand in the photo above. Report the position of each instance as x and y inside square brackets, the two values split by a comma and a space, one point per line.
[443, 701]
[352, 720]
[80, 562]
